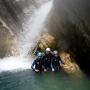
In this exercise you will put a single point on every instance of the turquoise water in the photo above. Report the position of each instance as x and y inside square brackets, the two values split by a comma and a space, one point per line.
[28, 80]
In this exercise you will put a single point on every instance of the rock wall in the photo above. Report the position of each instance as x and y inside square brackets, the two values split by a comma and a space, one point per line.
[12, 16]
[13, 12]
[70, 25]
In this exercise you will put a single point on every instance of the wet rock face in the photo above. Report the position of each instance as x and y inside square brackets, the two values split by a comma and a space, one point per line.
[13, 12]
[12, 15]
[7, 43]
[9, 14]
[70, 24]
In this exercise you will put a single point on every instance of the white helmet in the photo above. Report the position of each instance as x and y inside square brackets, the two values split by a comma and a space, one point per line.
[48, 49]
[55, 52]
[39, 54]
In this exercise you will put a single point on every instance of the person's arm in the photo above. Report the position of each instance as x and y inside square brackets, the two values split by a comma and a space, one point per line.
[32, 66]
[52, 65]
[61, 62]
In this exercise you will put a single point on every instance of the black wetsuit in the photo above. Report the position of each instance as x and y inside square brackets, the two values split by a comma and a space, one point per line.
[56, 62]
[47, 60]
[38, 64]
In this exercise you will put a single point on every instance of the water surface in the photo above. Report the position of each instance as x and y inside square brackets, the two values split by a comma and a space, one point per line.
[28, 80]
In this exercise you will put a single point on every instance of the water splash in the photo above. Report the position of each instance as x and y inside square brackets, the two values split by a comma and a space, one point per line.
[15, 64]
[33, 28]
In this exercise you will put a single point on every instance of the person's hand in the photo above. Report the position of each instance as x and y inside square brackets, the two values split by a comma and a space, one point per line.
[53, 69]
[45, 70]
[62, 66]
[36, 70]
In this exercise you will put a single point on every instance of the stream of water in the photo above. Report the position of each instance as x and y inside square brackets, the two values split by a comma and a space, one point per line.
[33, 28]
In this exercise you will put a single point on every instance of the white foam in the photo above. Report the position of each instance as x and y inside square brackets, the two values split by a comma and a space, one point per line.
[15, 64]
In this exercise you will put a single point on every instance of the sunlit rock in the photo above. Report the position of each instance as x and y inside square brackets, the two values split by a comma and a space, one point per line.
[47, 41]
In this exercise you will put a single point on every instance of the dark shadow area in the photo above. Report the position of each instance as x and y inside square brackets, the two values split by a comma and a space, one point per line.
[70, 24]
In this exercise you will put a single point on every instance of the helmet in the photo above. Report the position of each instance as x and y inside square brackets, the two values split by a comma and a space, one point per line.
[55, 52]
[48, 49]
[39, 54]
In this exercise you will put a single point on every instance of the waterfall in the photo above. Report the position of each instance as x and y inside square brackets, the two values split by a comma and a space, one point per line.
[32, 30]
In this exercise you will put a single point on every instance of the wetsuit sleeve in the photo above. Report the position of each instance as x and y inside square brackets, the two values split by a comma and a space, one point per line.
[32, 66]
[52, 63]
[61, 62]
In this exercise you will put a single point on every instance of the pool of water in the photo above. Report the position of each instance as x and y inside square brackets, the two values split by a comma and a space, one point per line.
[28, 80]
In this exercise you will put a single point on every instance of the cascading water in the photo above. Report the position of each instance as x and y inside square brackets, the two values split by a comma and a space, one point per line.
[32, 30]
[33, 27]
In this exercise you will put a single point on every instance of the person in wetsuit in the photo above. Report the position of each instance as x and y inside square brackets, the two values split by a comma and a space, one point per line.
[56, 61]
[47, 59]
[37, 64]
